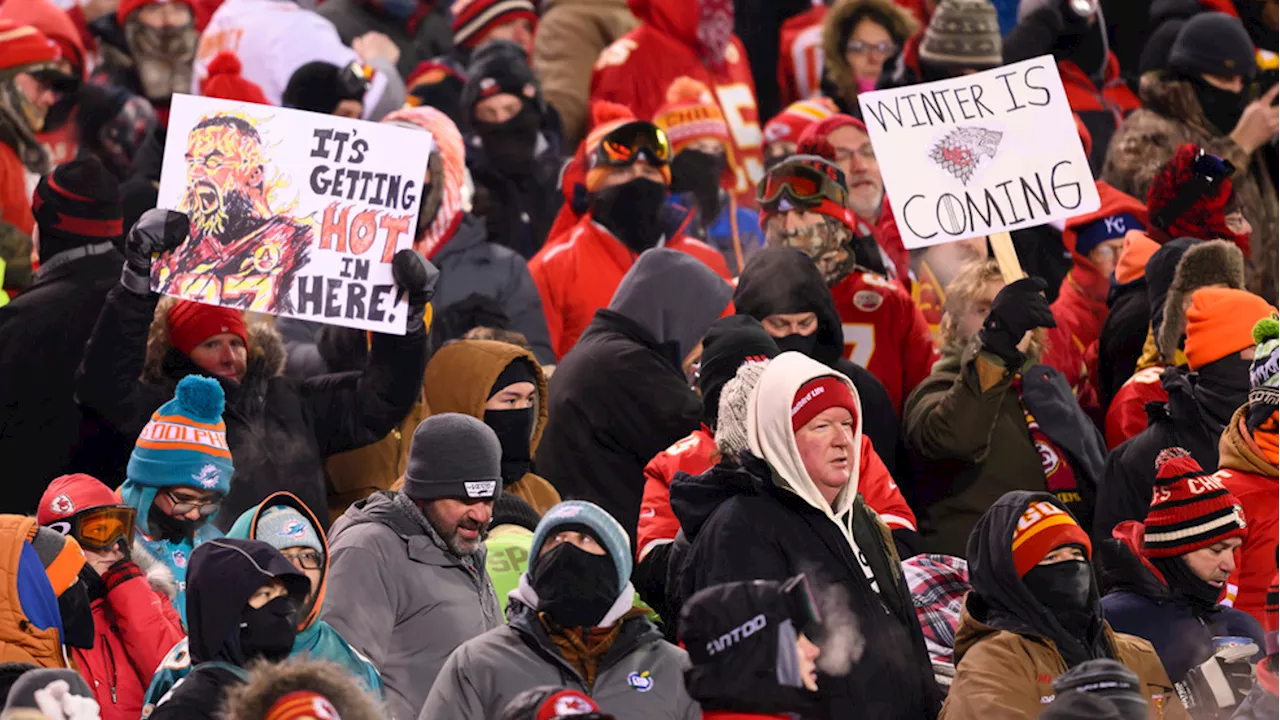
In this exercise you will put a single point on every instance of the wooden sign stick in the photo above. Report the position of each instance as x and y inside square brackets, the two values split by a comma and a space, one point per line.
[1006, 256]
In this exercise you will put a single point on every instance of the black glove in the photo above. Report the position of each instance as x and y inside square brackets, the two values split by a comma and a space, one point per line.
[1017, 308]
[157, 231]
[416, 277]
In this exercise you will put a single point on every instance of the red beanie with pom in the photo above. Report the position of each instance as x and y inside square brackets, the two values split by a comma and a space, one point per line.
[225, 82]
[1186, 200]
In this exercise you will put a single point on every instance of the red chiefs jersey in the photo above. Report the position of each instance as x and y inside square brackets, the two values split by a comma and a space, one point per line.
[1127, 415]
[885, 332]
[637, 69]
[1247, 587]
[696, 453]
[800, 55]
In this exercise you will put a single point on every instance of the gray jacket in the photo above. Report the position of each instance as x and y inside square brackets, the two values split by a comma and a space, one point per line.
[401, 598]
[640, 678]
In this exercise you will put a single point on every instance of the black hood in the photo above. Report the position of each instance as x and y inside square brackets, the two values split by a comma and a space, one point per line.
[1202, 403]
[1000, 598]
[223, 575]
[1161, 267]
[785, 280]
[1120, 568]
[694, 498]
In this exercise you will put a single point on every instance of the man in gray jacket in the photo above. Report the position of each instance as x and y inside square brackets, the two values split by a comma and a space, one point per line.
[572, 624]
[407, 582]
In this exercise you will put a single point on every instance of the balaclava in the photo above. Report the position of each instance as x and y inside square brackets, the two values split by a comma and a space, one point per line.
[575, 588]
[514, 428]
[163, 56]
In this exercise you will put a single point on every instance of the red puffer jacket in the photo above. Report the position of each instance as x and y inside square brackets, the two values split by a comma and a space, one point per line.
[134, 626]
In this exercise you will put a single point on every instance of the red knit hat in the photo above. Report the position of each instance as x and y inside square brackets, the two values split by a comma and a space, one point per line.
[225, 82]
[822, 129]
[1042, 528]
[23, 45]
[1220, 323]
[71, 494]
[126, 7]
[1183, 203]
[690, 114]
[300, 705]
[565, 703]
[817, 395]
[795, 118]
[191, 323]
[474, 19]
[1189, 509]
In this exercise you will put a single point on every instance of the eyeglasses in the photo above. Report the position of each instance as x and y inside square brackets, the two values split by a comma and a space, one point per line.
[864, 151]
[99, 528]
[802, 183]
[633, 141]
[858, 47]
[182, 507]
[306, 560]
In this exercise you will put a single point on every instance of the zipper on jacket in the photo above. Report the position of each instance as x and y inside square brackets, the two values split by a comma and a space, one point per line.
[111, 665]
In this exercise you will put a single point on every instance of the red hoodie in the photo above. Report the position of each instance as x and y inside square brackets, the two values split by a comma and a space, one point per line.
[800, 55]
[637, 69]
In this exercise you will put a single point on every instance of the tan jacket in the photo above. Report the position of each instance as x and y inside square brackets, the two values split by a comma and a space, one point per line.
[1002, 675]
[571, 33]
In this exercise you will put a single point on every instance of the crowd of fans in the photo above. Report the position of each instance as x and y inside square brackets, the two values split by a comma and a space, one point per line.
[679, 428]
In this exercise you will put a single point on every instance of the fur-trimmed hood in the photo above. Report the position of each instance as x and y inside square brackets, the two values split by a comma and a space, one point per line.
[268, 682]
[836, 27]
[1216, 262]
[266, 353]
[159, 576]
[1174, 98]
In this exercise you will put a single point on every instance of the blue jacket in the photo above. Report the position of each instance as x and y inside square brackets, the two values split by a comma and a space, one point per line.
[720, 233]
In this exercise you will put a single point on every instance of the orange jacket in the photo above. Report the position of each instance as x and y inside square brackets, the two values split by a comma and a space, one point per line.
[20, 638]
[578, 275]
[696, 453]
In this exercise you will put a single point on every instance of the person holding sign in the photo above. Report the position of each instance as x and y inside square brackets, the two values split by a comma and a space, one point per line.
[280, 430]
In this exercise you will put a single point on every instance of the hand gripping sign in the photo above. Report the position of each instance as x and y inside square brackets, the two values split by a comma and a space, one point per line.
[979, 154]
[292, 213]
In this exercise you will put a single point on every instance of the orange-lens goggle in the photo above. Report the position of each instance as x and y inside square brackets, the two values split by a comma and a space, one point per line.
[799, 182]
[637, 140]
[100, 528]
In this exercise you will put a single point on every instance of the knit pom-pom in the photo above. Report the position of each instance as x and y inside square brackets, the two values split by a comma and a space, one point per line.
[817, 146]
[1268, 328]
[685, 90]
[1175, 461]
[603, 111]
[224, 63]
[200, 398]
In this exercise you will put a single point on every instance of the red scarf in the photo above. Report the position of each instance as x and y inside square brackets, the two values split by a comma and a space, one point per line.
[1059, 478]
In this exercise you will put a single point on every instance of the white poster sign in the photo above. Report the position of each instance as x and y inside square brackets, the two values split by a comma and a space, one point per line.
[292, 213]
[978, 154]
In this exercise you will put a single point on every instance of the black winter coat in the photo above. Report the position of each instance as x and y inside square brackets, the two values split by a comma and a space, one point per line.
[279, 430]
[1124, 332]
[200, 695]
[42, 335]
[743, 527]
[517, 209]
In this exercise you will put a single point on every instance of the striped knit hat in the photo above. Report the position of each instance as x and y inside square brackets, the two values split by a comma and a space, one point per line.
[302, 705]
[691, 114]
[185, 443]
[1190, 509]
[77, 206]
[796, 117]
[1042, 528]
[474, 19]
[1264, 374]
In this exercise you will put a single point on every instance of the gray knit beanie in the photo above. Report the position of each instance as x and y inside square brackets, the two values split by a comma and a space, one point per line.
[453, 456]
[963, 34]
[735, 396]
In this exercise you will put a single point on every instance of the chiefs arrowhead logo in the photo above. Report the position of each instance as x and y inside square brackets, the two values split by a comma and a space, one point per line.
[62, 505]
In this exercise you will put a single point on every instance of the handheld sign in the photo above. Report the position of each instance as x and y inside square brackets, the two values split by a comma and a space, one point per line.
[979, 154]
[292, 213]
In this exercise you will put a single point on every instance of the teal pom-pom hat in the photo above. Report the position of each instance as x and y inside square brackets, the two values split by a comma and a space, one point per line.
[185, 443]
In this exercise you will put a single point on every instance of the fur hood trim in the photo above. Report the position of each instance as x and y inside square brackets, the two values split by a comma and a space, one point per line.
[265, 344]
[268, 682]
[901, 26]
[1173, 98]
[159, 576]
[1216, 262]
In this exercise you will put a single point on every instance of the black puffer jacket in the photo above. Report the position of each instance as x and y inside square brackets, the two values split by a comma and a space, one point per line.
[1123, 334]
[279, 430]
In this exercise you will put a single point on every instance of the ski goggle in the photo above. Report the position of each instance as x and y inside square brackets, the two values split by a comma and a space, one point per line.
[354, 80]
[633, 141]
[797, 180]
[99, 528]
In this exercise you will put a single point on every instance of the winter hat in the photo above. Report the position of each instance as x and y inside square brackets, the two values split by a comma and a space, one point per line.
[822, 129]
[225, 82]
[475, 19]
[1213, 43]
[741, 638]
[1264, 373]
[281, 526]
[1188, 198]
[796, 118]
[511, 509]
[453, 456]
[963, 34]
[436, 84]
[191, 323]
[1042, 528]
[517, 371]
[729, 342]
[1106, 680]
[185, 443]
[302, 705]
[71, 494]
[1190, 509]
[61, 556]
[1184, 266]
[24, 48]
[1220, 323]
[731, 416]
[77, 206]
[1080, 706]
[500, 67]
[126, 8]
[596, 521]
[66, 689]
[605, 118]
[453, 157]
[315, 87]
[818, 395]
[691, 113]
[548, 702]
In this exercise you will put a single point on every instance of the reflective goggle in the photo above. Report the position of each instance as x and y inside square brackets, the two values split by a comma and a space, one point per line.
[354, 80]
[797, 180]
[637, 140]
[99, 528]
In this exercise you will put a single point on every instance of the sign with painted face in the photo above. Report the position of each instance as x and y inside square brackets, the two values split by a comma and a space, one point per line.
[291, 213]
[979, 154]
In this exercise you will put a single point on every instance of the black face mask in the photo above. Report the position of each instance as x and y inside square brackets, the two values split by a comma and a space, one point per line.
[574, 587]
[631, 211]
[1183, 581]
[1222, 108]
[514, 429]
[1065, 589]
[269, 631]
[77, 616]
[699, 173]
[164, 526]
[510, 145]
[795, 342]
